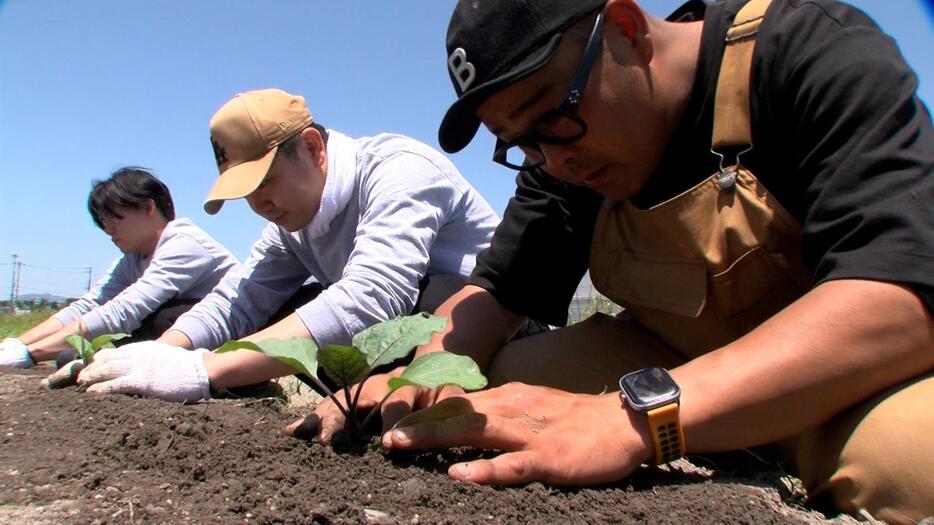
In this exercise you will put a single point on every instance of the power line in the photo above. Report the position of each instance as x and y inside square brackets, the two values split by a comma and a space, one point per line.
[17, 279]
[62, 269]
[76, 269]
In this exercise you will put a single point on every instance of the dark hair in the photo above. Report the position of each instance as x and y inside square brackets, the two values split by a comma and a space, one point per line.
[287, 148]
[128, 187]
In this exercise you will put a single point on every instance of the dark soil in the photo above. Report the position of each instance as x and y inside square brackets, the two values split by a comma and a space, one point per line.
[74, 457]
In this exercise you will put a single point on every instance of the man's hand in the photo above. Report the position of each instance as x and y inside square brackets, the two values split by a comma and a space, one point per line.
[327, 419]
[67, 375]
[149, 369]
[546, 435]
[14, 352]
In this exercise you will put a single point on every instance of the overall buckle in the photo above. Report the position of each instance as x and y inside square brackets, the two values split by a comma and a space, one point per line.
[726, 177]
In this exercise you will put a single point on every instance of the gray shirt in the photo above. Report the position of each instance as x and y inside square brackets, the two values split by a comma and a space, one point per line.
[186, 264]
[393, 210]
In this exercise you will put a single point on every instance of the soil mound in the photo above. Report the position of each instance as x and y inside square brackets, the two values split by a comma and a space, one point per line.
[74, 457]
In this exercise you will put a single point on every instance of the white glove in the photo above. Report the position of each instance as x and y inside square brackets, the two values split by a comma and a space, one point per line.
[149, 369]
[14, 352]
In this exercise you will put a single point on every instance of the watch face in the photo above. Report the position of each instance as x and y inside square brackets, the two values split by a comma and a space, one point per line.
[649, 388]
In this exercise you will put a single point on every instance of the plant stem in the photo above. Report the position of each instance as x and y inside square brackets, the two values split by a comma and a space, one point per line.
[330, 394]
[352, 408]
[374, 409]
[356, 397]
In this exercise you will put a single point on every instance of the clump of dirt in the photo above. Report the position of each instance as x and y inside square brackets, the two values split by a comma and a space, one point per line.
[67, 456]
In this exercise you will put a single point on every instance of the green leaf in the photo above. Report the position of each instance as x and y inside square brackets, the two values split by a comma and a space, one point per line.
[230, 346]
[390, 340]
[300, 354]
[441, 368]
[106, 341]
[82, 346]
[344, 364]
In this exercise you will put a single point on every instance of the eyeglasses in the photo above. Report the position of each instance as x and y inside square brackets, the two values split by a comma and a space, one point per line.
[558, 126]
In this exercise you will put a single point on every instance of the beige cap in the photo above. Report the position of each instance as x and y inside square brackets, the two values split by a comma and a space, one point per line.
[246, 133]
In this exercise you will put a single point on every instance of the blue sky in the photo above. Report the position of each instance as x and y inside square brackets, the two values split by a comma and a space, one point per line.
[87, 87]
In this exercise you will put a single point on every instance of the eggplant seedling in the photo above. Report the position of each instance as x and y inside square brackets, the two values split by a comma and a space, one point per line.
[380, 344]
[68, 369]
[86, 349]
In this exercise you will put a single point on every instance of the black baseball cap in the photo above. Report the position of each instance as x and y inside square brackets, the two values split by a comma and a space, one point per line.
[493, 43]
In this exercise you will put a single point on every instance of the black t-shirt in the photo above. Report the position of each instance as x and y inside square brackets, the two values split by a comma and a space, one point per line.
[840, 138]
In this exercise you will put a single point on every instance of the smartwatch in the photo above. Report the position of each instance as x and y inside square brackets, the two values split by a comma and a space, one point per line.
[652, 391]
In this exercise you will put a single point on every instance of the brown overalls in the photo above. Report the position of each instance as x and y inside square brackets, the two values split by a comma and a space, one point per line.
[705, 268]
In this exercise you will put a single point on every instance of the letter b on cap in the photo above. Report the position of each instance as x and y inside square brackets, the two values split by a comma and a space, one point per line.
[463, 71]
[220, 155]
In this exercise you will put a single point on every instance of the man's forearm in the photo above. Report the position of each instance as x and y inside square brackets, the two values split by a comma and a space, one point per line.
[176, 338]
[478, 325]
[41, 331]
[49, 346]
[839, 344]
[246, 367]
[243, 367]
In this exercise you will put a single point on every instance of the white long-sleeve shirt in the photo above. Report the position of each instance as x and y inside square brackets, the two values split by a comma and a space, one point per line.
[393, 211]
[186, 264]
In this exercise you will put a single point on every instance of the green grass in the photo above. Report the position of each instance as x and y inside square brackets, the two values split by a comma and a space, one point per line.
[599, 303]
[13, 325]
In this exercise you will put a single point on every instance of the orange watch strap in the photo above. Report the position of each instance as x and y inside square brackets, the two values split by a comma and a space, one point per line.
[667, 434]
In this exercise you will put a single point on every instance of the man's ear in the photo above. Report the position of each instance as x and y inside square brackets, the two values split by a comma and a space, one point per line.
[630, 22]
[316, 146]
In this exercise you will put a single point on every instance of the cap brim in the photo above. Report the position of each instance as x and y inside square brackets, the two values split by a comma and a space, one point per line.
[238, 181]
[460, 124]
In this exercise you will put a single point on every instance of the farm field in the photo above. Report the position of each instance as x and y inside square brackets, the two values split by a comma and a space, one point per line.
[14, 324]
[74, 457]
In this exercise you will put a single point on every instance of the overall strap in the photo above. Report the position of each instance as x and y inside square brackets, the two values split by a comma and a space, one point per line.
[731, 123]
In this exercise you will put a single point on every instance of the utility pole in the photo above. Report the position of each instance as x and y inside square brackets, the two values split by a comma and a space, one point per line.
[19, 276]
[13, 285]
[89, 277]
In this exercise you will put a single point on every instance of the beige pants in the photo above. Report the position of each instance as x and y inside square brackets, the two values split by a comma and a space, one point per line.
[877, 456]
